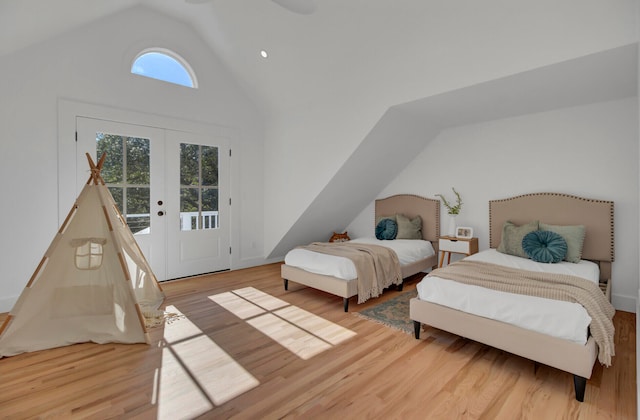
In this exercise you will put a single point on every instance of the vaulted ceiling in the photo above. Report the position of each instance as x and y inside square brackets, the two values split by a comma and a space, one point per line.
[340, 76]
[300, 46]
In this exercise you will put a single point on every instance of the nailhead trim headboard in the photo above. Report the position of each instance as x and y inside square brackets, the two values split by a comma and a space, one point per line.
[559, 209]
[411, 206]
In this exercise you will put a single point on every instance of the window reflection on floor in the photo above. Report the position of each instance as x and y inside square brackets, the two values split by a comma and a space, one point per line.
[196, 374]
[297, 330]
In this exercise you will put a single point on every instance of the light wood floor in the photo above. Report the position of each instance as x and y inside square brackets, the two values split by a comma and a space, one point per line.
[377, 373]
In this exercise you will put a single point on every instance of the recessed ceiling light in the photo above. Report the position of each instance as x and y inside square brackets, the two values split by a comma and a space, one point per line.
[263, 54]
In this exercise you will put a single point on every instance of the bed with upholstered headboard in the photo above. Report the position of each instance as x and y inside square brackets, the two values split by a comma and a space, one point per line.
[409, 205]
[553, 209]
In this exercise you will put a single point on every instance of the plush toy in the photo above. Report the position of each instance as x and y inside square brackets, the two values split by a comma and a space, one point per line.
[339, 237]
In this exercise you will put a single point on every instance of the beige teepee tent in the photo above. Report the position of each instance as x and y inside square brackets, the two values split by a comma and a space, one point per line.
[93, 283]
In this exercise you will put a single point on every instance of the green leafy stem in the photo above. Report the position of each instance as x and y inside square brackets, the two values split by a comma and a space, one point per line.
[452, 209]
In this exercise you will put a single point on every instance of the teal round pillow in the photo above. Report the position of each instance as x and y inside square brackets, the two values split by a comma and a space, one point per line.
[386, 229]
[544, 246]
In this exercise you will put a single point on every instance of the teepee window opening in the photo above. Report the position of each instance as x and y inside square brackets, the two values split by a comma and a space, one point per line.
[126, 172]
[198, 187]
[89, 252]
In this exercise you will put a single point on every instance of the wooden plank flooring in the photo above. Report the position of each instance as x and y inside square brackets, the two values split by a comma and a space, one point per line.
[376, 373]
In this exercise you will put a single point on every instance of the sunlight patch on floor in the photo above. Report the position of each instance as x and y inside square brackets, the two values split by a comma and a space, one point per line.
[294, 339]
[297, 330]
[178, 396]
[316, 325]
[258, 297]
[237, 305]
[196, 373]
[219, 375]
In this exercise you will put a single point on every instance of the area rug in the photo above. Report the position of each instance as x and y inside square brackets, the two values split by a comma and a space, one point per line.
[393, 313]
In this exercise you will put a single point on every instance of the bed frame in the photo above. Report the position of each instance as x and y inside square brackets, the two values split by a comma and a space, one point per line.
[409, 205]
[550, 208]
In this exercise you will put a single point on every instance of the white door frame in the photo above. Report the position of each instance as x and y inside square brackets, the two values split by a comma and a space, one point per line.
[68, 110]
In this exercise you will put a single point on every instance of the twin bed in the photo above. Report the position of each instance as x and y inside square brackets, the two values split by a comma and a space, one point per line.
[576, 354]
[551, 332]
[323, 273]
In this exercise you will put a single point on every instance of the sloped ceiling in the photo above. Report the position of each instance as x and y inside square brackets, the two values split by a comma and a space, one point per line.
[605, 76]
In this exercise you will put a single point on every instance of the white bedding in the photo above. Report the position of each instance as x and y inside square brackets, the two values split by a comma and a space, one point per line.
[408, 251]
[556, 318]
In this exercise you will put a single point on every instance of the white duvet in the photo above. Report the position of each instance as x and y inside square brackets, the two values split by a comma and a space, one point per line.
[556, 318]
[408, 251]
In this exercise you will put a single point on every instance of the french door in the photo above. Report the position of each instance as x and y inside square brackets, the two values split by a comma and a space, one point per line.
[171, 186]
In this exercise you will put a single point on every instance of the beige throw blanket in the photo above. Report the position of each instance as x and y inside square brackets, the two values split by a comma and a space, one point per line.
[546, 285]
[377, 266]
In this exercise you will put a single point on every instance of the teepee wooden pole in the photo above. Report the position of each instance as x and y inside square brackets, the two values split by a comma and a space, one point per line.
[35, 273]
[96, 169]
[6, 323]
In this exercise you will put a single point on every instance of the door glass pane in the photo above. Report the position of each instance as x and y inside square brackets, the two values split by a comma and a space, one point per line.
[112, 169]
[137, 161]
[210, 208]
[210, 166]
[138, 209]
[118, 194]
[188, 208]
[126, 171]
[198, 187]
[189, 163]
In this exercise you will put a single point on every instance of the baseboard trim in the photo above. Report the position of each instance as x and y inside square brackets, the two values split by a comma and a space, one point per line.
[624, 303]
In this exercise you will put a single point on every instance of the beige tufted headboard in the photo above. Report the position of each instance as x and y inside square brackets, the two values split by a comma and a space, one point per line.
[560, 209]
[411, 206]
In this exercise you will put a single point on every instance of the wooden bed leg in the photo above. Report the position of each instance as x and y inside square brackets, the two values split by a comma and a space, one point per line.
[400, 286]
[416, 329]
[345, 302]
[580, 385]
[286, 284]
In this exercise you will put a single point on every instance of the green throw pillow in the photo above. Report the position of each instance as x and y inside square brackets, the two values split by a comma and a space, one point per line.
[409, 228]
[512, 235]
[574, 235]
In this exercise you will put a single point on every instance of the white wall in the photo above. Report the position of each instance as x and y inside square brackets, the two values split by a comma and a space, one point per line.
[417, 50]
[589, 150]
[91, 65]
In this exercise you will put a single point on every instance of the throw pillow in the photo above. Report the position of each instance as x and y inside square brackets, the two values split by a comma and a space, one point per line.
[512, 234]
[544, 246]
[386, 229]
[574, 235]
[409, 228]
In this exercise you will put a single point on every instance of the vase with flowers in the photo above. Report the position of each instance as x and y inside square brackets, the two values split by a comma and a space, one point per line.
[453, 210]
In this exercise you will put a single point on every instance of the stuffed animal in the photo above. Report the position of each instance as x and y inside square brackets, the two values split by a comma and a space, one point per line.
[339, 237]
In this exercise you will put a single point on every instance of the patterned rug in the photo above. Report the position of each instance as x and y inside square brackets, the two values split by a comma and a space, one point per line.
[393, 313]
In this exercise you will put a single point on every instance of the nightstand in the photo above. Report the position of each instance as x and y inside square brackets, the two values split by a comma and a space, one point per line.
[449, 245]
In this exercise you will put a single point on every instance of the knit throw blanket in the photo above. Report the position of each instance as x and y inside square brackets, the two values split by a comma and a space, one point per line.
[377, 266]
[546, 285]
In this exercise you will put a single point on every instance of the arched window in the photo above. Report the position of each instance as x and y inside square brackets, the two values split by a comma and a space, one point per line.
[163, 64]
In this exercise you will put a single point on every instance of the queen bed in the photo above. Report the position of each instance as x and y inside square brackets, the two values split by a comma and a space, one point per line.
[328, 273]
[552, 332]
